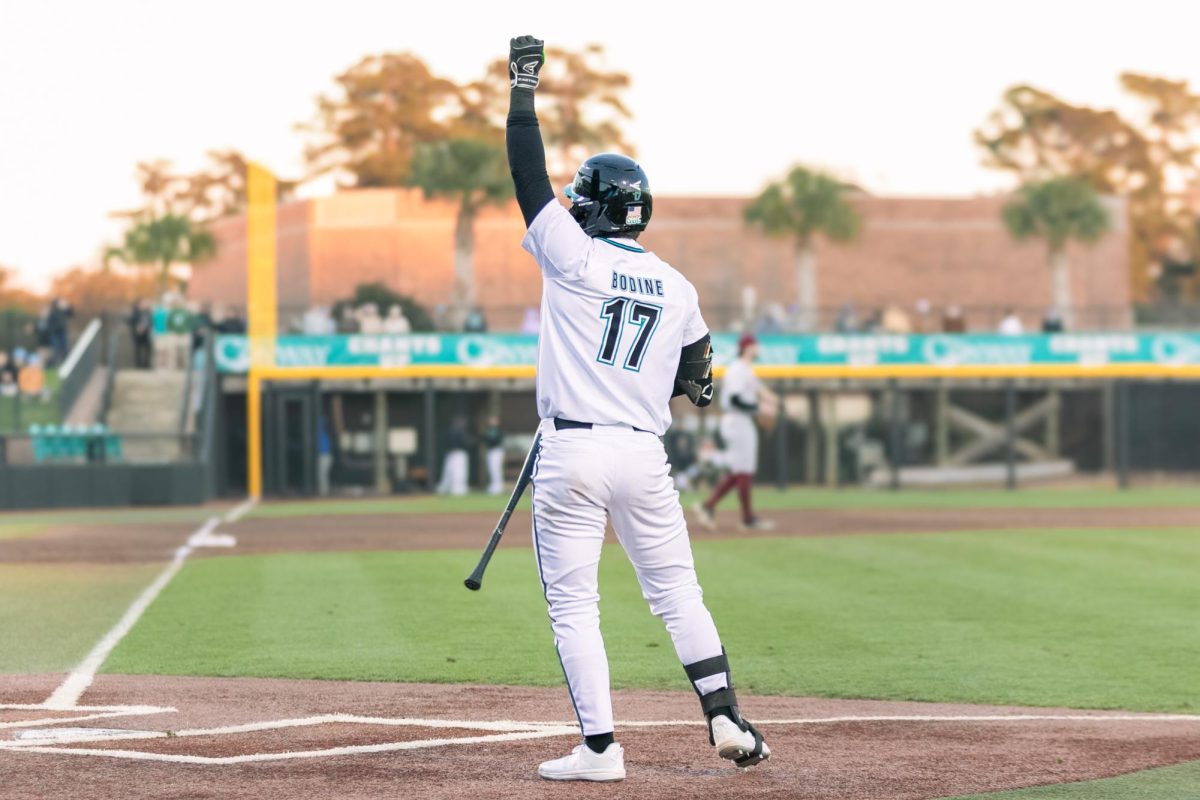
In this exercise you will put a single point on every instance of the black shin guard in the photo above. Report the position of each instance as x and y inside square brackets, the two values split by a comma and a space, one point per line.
[723, 702]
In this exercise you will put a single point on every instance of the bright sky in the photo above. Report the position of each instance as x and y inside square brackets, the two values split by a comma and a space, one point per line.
[725, 95]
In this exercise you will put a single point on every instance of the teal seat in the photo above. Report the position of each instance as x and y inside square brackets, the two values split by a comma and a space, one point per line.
[53, 443]
[37, 440]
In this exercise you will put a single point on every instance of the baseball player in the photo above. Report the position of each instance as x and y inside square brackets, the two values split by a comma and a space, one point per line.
[493, 441]
[742, 397]
[621, 334]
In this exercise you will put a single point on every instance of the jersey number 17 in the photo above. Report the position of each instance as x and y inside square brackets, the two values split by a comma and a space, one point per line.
[619, 313]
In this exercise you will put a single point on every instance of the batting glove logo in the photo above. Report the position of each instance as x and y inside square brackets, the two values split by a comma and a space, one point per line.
[525, 58]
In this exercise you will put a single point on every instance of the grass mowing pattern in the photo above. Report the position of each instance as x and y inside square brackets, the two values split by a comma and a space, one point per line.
[1089, 619]
[52, 614]
[111, 516]
[1180, 782]
[770, 499]
[22, 530]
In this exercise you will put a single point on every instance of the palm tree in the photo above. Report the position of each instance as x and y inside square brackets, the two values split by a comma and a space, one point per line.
[162, 242]
[1057, 210]
[474, 173]
[805, 203]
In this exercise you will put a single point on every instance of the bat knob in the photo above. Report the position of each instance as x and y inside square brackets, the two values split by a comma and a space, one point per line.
[472, 584]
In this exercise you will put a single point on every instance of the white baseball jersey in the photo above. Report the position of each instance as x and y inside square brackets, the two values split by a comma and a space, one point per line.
[738, 428]
[614, 318]
[741, 382]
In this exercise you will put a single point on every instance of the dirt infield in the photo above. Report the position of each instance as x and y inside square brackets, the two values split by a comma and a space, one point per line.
[152, 736]
[254, 738]
[152, 543]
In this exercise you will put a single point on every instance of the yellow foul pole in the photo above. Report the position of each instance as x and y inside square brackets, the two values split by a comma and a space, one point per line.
[260, 309]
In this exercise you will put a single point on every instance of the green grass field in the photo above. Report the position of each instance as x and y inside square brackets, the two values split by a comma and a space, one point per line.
[52, 614]
[770, 499]
[1180, 782]
[1089, 619]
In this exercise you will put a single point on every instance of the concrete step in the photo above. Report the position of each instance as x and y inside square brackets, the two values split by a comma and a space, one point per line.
[147, 401]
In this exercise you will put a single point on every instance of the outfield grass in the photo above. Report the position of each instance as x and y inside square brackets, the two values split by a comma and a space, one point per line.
[52, 614]
[109, 516]
[1180, 782]
[1099, 619]
[21, 530]
[770, 499]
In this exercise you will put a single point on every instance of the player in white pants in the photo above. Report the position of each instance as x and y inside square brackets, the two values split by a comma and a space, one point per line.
[621, 333]
[493, 440]
[742, 397]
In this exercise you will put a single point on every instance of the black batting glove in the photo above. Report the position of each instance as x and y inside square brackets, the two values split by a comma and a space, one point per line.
[525, 58]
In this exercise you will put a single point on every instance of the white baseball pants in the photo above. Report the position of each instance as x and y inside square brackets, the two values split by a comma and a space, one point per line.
[495, 468]
[455, 469]
[581, 477]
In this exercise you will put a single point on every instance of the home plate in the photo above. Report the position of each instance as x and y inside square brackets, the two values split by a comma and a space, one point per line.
[76, 733]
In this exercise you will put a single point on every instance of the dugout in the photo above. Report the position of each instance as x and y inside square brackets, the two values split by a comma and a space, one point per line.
[383, 436]
[390, 436]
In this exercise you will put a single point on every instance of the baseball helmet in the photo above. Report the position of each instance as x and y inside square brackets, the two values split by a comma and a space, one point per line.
[610, 196]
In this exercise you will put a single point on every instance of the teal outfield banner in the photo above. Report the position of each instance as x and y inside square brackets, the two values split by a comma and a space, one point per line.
[828, 350]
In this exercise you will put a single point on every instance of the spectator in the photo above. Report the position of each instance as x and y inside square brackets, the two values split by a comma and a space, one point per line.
[493, 440]
[324, 455]
[56, 323]
[475, 322]
[202, 326]
[531, 322]
[41, 332]
[369, 320]
[953, 320]
[1052, 322]
[231, 322]
[8, 375]
[396, 322]
[895, 320]
[1010, 325]
[31, 378]
[140, 328]
[318, 321]
[347, 320]
[923, 323]
[847, 319]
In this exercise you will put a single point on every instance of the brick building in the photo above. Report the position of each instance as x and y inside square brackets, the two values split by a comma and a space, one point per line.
[945, 251]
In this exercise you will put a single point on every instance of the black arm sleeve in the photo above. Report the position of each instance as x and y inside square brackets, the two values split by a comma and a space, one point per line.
[527, 156]
[743, 405]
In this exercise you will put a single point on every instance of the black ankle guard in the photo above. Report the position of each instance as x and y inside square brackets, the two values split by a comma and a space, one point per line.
[725, 699]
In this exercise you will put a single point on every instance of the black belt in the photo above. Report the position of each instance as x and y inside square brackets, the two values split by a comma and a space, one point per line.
[561, 424]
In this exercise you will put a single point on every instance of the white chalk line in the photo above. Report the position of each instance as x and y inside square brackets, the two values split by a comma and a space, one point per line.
[77, 682]
[504, 731]
[33, 723]
[139, 709]
[349, 750]
[240, 510]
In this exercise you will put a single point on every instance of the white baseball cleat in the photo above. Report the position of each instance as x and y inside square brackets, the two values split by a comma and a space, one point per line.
[706, 518]
[737, 745]
[757, 524]
[584, 765]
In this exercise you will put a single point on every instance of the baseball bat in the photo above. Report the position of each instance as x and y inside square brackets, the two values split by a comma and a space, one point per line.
[476, 580]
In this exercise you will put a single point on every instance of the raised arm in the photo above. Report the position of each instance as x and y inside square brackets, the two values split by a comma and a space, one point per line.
[526, 153]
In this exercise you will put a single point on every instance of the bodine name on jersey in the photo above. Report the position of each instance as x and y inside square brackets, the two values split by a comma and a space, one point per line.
[637, 285]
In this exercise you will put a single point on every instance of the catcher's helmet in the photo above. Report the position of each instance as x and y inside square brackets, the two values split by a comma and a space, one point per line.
[610, 196]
